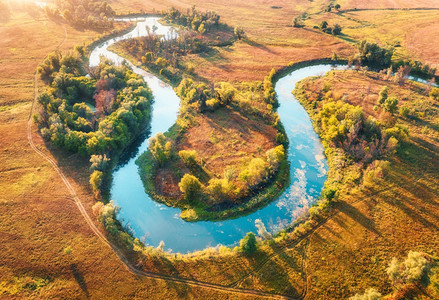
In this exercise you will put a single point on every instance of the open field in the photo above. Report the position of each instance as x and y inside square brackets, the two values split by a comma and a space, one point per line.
[344, 254]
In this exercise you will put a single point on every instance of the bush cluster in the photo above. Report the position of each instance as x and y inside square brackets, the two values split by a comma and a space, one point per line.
[122, 108]
[193, 19]
[94, 14]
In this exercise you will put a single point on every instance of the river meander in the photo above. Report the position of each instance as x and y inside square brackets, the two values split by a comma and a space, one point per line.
[153, 222]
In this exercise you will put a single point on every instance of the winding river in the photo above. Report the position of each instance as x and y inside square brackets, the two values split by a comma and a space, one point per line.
[152, 222]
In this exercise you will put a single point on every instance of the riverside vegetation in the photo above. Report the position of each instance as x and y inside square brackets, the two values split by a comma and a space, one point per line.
[349, 253]
[96, 116]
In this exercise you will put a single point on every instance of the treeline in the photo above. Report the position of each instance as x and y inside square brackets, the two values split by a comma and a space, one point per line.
[68, 119]
[251, 98]
[193, 19]
[93, 14]
[373, 55]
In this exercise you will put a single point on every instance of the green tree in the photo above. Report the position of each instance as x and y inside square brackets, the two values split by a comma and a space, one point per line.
[434, 93]
[298, 22]
[160, 148]
[190, 186]
[239, 32]
[391, 105]
[382, 96]
[96, 179]
[373, 55]
[336, 30]
[248, 244]
[323, 25]
[189, 157]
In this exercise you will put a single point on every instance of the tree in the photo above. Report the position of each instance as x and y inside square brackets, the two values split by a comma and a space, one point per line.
[189, 157]
[99, 162]
[104, 101]
[160, 148]
[68, 250]
[336, 30]
[298, 22]
[412, 269]
[161, 62]
[239, 32]
[382, 96]
[248, 244]
[323, 25]
[274, 157]
[96, 179]
[337, 6]
[201, 29]
[190, 186]
[434, 93]
[375, 56]
[391, 105]
[369, 294]
[225, 92]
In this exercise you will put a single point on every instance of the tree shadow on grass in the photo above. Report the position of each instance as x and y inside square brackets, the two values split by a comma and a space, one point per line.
[356, 215]
[258, 45]
[79, 279]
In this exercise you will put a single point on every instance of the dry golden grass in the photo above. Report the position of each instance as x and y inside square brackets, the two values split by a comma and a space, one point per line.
[347, 254]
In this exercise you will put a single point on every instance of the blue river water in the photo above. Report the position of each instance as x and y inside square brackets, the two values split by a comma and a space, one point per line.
[152, 222]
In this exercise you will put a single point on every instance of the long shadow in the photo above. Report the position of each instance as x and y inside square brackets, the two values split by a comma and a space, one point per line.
[279, 271]
[79, 279]
[257, 45]
[357, 216]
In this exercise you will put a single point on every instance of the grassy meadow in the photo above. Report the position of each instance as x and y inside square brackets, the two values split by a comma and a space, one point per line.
[334, 256]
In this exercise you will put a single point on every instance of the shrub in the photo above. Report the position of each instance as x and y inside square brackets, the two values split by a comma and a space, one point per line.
[99, 162]
[412, 269]
[274, 157]
[382, 96]
[190, 186]
[434, 93]
[369, 294]
[391, 105]
[404, 111]
[189, 157]
[96, 181]
[248, 244]
[212, 104]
